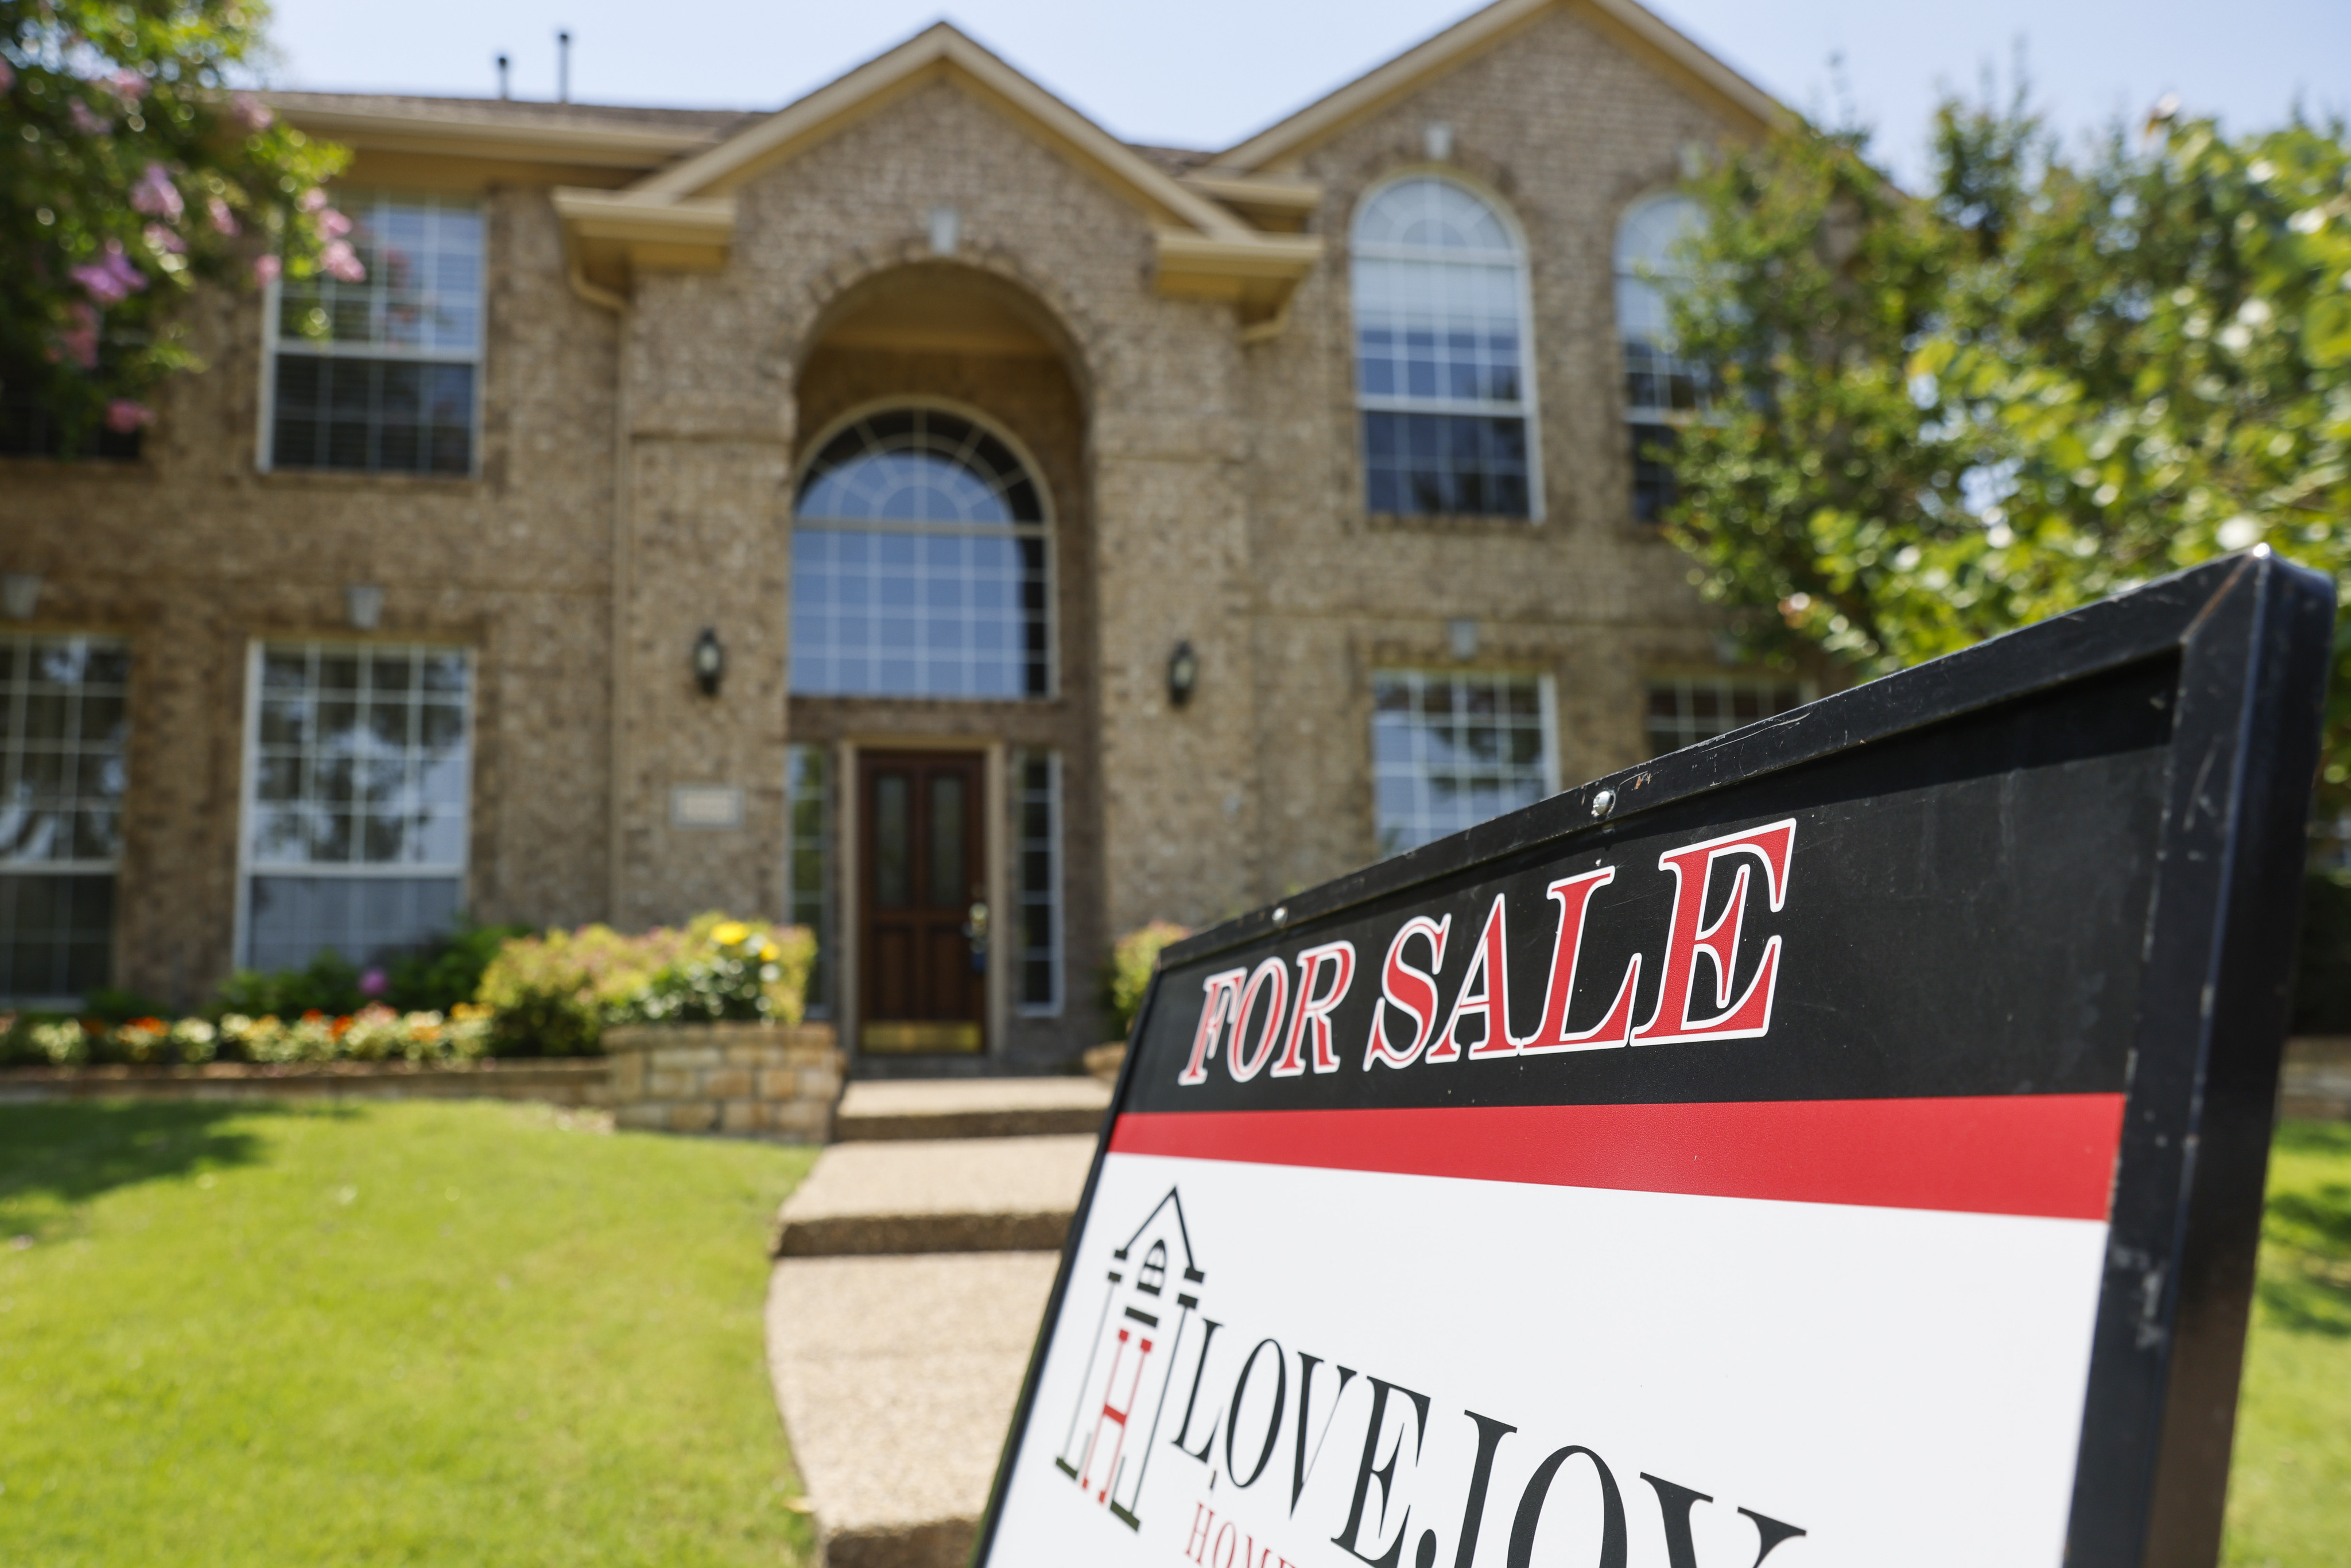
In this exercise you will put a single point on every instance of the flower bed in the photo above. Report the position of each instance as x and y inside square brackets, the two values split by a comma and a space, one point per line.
[374, 1033]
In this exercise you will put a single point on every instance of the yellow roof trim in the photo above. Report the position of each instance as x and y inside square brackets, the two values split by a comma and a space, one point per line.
[1255, 272]
[938, 52]
[603, 147]
[605, 216]
[1683, 60]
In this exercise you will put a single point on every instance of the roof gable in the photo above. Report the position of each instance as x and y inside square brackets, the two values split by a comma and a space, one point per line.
[940, 53]
[1672, 54]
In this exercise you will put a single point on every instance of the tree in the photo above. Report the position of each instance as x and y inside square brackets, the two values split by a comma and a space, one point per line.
[130, 170]
[2044, 380]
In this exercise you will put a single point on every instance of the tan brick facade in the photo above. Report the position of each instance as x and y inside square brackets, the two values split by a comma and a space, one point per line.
[643, 422]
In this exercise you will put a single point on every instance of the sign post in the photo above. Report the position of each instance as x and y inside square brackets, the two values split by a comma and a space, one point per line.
[1840, 1143]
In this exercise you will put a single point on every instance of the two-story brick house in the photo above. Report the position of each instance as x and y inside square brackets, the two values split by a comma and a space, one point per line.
[913, 511]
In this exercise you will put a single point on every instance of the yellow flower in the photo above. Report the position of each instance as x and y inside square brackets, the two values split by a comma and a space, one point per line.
[770, 953]
[729, 932]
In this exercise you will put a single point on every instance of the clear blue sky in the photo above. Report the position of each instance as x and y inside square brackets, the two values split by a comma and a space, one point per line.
[1208, 72]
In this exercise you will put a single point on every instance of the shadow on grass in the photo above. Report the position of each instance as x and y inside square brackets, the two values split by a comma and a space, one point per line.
[54, 1158]
[2306, 1230]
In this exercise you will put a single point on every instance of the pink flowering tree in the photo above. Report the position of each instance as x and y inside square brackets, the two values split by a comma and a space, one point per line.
[132, 168]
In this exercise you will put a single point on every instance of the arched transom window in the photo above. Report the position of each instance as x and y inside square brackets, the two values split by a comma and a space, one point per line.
[1661, 389]
[1441, 362]
[919, 551]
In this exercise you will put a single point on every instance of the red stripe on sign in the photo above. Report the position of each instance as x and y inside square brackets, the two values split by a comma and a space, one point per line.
[2044, 1154]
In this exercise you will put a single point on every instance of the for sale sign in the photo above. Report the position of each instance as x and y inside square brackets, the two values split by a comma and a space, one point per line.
[1839, 1143]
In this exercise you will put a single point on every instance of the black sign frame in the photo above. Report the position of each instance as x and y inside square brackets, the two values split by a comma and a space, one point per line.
[2253, 637]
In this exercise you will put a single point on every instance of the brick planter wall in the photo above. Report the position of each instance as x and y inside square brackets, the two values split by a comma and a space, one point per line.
[750, 1080]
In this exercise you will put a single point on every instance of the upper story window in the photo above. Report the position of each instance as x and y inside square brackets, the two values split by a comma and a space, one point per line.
[920, 552]
[1661, 389]
[62, 724]
[1442, 368]
[384, 375]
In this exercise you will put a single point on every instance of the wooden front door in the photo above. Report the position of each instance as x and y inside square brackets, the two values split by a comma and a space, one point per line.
[923, 901]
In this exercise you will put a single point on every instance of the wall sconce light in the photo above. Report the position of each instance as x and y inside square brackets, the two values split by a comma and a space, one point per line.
[945, 225]
[1183, 674]
[20, 592]
[363, 605]
[709, 661]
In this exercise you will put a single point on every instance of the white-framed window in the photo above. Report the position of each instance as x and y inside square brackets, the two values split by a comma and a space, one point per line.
[1444, 371]
[1685, 710]
[63, 721]
[383, 375]
[1662, 390]
[921, 563]
[1037, 860]
[808, 794]
[359, 774]
[1453, 747]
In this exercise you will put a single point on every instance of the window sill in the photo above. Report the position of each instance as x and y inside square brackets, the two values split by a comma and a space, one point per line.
[1447, 523]
[360, 479]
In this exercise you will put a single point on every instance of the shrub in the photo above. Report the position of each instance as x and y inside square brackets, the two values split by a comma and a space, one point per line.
[329, 984]
[1128, 974]
[447, 974]
[548, 994]
[728, 969]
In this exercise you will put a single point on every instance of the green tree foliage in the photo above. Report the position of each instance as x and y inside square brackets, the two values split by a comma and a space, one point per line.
[132, 169]
[2046, 380]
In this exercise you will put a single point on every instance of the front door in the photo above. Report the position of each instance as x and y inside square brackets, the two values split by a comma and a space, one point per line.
[921, 893]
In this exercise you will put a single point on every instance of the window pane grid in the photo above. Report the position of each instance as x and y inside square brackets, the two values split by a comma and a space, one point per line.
[381, 375]
[1441, 376]
[1450, 750]
[63, 721]
[920, 565]
[808, 784]
[1685, 712]
[1658, 382]
[1037, 848]
[358, 789]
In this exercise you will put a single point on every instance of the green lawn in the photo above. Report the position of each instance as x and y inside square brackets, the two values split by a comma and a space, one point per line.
[444, 1334]
[2290, 1486]
[461, 1333]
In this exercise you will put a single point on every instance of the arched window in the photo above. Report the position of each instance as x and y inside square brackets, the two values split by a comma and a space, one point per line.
[919, 550]
[1441, 363]
[1661, 389]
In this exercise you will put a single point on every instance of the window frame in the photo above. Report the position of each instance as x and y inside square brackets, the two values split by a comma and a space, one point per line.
[1639, 417]
[274, 343]
[823, 795]
[1057, 896]
[81, 866]
[1530, 402]
[249, 761]
[1807, 691]
[1048, 532]
[1546, 685]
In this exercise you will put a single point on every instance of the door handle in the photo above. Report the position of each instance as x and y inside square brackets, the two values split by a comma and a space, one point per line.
[976, 929]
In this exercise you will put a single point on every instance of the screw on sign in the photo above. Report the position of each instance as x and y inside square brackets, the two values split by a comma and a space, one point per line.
[1780, 1151]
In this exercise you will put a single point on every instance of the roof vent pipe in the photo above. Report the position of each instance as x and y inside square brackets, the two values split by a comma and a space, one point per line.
[563, 67]
[503, 63]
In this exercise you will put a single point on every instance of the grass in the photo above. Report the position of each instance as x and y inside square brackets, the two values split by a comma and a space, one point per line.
[445, 1334]
[478, 1333]
[2290, 1483]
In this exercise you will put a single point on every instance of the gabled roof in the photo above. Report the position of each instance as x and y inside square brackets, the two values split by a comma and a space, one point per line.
[683, 215]
[1673, 54]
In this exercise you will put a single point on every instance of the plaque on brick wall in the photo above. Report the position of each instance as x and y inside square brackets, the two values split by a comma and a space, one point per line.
[1841, 1142]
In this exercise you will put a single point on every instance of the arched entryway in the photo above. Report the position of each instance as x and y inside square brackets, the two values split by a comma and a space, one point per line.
[944, 814]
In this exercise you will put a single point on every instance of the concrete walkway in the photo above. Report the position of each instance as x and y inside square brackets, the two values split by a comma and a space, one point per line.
[911, 1274]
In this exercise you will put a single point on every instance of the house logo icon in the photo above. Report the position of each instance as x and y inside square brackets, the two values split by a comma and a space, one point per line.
[1138, 1341]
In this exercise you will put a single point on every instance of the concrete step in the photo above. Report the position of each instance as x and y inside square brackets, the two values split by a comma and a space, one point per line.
[954, 1195]
[896, 1377]
[878, 1109]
